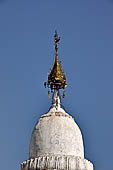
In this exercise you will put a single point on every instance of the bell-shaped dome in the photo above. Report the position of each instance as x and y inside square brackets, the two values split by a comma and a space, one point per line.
[56, 133]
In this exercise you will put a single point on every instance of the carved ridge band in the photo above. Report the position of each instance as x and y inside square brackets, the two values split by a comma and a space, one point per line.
[57, 162]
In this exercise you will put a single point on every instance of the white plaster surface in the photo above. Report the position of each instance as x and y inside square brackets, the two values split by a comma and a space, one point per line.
[56, 133]
[56, 143]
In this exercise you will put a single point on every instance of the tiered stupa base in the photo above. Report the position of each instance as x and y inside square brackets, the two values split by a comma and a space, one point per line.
[51, 162]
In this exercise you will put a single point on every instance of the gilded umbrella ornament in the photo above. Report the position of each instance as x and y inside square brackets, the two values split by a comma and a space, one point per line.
[56, 78]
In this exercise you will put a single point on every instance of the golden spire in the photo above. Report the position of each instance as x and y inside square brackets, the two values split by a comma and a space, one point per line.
[56, 77]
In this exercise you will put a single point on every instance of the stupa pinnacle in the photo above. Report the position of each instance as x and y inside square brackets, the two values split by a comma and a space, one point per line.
[56, 141]
[56, 77]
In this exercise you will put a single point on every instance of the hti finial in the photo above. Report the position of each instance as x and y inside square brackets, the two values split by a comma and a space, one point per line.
[56, 77]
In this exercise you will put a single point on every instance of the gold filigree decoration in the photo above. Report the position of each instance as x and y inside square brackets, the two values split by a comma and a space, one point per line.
[56, 77]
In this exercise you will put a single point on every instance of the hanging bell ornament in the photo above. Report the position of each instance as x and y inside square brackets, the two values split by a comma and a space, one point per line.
[63, 94]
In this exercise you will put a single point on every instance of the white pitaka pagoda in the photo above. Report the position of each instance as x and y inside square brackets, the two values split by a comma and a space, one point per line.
[56, 141]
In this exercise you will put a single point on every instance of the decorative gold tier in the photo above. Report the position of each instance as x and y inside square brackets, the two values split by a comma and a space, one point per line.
[56, 77]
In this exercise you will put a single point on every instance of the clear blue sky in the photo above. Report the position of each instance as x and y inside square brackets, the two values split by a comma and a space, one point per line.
[26, 55]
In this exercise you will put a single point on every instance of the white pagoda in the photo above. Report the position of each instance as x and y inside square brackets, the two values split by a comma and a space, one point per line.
[56, 141]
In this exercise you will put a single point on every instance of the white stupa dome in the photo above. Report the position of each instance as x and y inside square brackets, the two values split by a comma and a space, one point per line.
[56, 133]
[56, 143]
